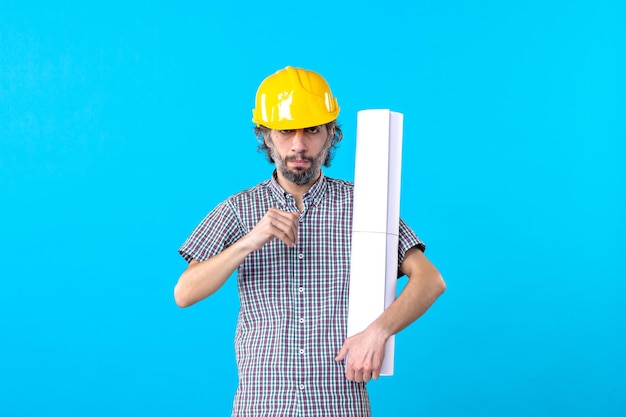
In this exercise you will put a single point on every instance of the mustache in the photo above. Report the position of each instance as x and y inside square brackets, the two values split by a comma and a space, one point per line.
[300, 157]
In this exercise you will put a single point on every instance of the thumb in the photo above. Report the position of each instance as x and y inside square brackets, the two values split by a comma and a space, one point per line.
[342, 353]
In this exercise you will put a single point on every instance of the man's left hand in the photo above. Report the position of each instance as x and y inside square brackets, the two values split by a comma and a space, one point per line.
[365, 352]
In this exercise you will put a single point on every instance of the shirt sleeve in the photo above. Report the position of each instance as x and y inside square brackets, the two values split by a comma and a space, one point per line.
[406, 240]
[217, 231]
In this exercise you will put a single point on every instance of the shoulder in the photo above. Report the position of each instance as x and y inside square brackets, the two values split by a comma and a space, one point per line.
[253, 193]
[338, 185]
[250, 204]
[339, 191]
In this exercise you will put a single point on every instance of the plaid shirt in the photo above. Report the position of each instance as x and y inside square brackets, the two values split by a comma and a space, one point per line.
[293, 301]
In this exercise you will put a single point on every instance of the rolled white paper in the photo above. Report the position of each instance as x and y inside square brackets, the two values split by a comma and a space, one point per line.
[375, 223]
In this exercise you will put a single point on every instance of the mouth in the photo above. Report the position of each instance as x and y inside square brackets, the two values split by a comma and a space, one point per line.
[299, 162]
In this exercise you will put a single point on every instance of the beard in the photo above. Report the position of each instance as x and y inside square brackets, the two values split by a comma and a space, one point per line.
[300, 176]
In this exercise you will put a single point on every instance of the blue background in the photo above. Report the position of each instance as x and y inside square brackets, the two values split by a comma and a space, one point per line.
[122, 125]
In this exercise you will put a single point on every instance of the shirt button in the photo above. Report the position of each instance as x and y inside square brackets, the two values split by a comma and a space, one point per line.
[301, 351]
[301, 289]
[301, 320]
[301, 386]
[301, 256]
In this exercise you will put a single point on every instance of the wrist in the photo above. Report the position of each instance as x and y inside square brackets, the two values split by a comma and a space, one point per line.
[380, 330]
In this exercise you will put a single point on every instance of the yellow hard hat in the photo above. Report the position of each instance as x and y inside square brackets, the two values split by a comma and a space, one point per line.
[294, 98]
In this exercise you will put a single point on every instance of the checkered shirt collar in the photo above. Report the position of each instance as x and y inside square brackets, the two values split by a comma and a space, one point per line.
[312, 196]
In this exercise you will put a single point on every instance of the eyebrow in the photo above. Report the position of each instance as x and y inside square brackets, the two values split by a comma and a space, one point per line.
[303, 128]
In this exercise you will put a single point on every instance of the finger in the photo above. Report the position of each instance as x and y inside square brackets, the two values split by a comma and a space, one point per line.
[377, 364]
[342, 353]
[287, 217]
[283, 213]
[284, 226]
[286, 233]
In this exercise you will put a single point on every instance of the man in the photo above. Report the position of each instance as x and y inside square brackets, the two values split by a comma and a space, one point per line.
[289, 239]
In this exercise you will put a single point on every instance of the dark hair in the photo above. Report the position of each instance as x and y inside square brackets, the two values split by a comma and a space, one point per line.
[260, 132]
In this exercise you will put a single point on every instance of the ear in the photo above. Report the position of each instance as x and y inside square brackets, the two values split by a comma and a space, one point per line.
[331, 135]
[267, 139]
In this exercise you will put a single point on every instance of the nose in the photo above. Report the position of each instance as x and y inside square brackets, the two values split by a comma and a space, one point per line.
[297, 144]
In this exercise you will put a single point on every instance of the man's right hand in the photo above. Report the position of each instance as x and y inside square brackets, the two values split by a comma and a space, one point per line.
[275, 224]
[201, 279]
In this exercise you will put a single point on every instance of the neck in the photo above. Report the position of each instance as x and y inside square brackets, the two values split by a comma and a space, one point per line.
[296, 190]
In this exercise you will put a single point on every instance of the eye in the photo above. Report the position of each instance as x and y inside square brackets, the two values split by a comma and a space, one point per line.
[313, 129]
[285, 132]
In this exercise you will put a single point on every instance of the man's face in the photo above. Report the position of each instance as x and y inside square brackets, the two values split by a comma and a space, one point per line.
[299, 154]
